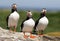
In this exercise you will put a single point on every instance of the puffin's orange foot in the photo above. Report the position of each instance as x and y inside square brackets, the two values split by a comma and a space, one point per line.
[31, 36]
[25, 36]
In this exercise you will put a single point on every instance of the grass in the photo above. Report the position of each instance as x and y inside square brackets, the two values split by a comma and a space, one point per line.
[56, 34]
[54, 20]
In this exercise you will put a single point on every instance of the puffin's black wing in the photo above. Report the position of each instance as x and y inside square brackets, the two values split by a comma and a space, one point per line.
[36, 23]
[22, 25]
[7, 20]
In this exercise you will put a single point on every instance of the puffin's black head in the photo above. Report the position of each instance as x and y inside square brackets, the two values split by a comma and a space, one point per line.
[14, 8]
[43, 12]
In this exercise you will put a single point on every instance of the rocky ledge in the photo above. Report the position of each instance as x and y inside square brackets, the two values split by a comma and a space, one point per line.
[5, 35]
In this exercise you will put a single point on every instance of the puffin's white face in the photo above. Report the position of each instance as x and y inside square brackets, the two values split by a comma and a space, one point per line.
[14, 6]
[44, 10]
[29, 14]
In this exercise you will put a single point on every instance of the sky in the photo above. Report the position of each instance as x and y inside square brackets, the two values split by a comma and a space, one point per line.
[31, 3]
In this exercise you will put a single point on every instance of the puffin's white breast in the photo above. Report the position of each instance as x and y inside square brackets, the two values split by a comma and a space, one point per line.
[13, 19]
[14, 16]
[43, 20]
[29, 22]
[28, 25]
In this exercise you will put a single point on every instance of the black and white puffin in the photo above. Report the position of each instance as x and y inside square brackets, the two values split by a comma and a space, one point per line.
[27, 25]
[41, 23]
[12, 19]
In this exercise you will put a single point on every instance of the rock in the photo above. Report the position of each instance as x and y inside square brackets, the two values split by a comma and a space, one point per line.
[5, 35]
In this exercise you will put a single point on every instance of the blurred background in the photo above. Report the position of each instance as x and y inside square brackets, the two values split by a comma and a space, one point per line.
[52, 7]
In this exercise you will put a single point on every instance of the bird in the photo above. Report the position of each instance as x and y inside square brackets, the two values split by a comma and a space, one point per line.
[27, 25]
[12, 19]
[41, 23]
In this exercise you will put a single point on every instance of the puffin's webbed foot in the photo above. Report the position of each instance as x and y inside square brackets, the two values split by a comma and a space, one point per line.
[31, 36]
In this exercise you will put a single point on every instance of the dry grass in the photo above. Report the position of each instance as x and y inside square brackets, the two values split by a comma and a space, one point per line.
[54, 34]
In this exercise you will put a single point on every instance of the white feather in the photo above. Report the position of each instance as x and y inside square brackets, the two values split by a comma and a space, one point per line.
[28, 25]
[13, 19]
[43, 22]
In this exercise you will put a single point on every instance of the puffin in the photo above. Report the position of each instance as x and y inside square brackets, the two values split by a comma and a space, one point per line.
[27, 25]
[12, 19]
[41, 23]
